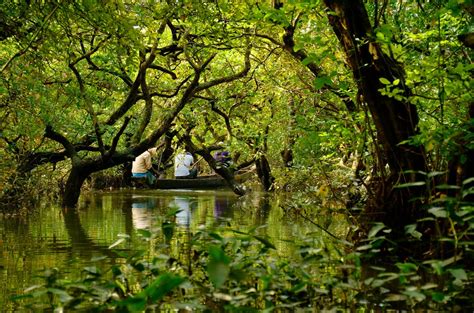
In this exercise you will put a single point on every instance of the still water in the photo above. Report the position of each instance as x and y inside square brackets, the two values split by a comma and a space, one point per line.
[72, 239]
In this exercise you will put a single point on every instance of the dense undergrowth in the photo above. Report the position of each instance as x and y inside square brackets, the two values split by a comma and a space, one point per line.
[228, 270]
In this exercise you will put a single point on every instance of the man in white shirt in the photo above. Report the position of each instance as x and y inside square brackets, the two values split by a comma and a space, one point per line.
[142, 166]
[183, 166]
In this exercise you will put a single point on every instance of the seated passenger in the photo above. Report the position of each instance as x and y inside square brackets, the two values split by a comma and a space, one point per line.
[223, 158]
[142, 166]
[183, 166]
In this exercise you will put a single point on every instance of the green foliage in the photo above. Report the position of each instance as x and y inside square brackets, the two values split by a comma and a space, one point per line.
[233, 270]
[299, 96]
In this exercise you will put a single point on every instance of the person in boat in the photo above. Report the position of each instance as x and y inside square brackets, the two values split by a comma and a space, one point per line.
[183, 166]
[143, 167]
[223, 158]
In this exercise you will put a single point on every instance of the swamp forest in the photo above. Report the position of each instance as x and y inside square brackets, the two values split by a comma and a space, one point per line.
[349, 131]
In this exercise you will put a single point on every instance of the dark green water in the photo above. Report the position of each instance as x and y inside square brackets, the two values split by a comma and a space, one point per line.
[73, 239]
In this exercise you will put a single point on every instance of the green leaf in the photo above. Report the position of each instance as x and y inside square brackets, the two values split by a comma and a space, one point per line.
[468, 181]
[92, 270]
[144, 233]
[459, 275]
[215, 236]
[437, 266]
[117, 243]
[364, 247]
[413, 184]
[309, 59]
[447, 187]
[438, 296]
[438, 212]
[384, 81]
[173, 211]
[168, 230]
[321, 81]
[415, 294]
[134, 304]
[218, 267]
[411, 230]
[407, 267]
[375, 229]
[436, 173]
[63, 295]
[98, 258]
[162, 286]
[267, 243]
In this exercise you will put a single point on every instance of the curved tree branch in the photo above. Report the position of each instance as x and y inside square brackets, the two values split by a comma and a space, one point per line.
[160, 68]
[224, 116]
[70, 149]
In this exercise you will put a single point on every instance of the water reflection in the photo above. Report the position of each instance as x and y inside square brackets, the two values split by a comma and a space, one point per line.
[183, 216]
[142, 211]
[79, 241]
[52, 237]
[221, 208]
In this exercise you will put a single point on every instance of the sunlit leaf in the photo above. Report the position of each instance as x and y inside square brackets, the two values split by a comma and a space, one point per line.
[117, 243]
[459, 275]
[395, 297]
[92, 270]
[63, 295]
[438, 212]
[375, 229]
[413, 184]
[411, 230]
[162, 286]
[435, 173]
[98, 258]
[407, 267]
[447, 187]
[415, 294]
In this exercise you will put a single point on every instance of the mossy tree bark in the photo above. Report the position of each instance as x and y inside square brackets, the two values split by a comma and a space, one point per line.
[395, 119]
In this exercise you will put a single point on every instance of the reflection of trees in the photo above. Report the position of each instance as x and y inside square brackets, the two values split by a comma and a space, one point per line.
[16, 251]
[263, 209]
[80, 240]
[182, 238]
[223, 207]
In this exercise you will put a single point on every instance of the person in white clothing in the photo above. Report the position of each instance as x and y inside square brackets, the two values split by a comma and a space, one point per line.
[183, 166]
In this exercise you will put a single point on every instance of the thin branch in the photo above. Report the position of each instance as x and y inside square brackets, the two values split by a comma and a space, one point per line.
[230, 78]
[156, 94]
[224, 116]
[122, 75]
[160, 68]
[117, 136]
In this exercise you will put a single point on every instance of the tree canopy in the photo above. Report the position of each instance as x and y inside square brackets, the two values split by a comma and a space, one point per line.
[363, 92]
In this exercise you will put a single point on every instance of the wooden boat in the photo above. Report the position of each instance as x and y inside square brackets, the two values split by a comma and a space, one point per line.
[210, 181]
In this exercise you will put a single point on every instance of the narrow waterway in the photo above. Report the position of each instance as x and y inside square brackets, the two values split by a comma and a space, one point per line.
[74, 239]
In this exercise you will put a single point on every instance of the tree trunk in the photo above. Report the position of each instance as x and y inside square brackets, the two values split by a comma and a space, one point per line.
[460, 166]
[395, 119]
[264, 173]
[73, 186]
